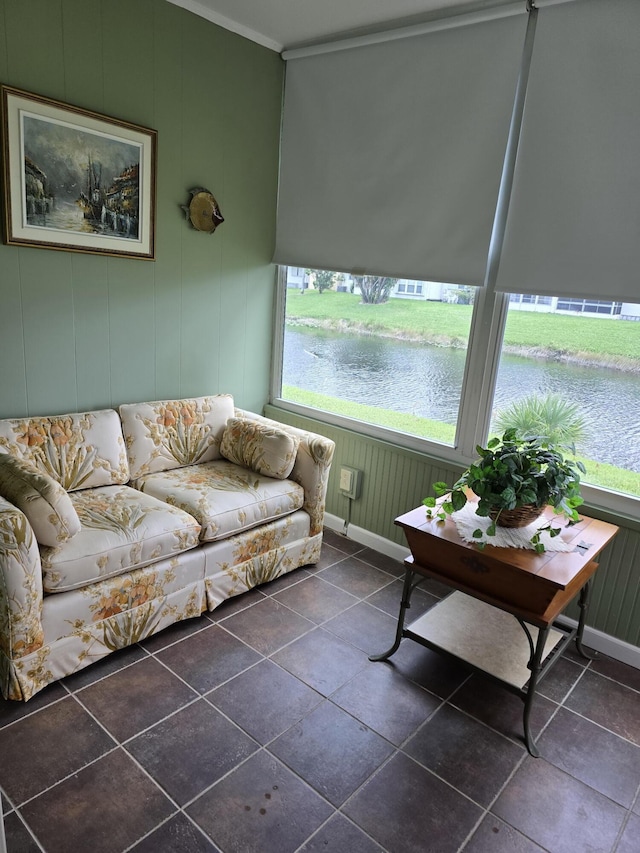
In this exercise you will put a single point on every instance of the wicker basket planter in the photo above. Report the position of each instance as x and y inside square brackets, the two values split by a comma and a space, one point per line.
[521, 516]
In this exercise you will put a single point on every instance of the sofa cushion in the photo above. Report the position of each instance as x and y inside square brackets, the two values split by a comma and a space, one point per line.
[265, 449]
[41, 498]
[80, 450]
[121, 529]
[170, 434]
[224, 498]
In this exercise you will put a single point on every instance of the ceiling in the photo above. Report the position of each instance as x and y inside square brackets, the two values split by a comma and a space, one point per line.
[286, 24]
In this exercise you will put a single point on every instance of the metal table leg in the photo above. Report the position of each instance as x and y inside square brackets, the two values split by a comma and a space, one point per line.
[405, 604]
[583, 604]
[535, 665]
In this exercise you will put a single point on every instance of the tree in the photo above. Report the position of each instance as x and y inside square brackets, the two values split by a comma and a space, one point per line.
[323, 279]
[465, 295]
[375, 289]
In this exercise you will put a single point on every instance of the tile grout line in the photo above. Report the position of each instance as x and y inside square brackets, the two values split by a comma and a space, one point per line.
[326, 823]
[265, 748]
[566, 707]
[29, 830]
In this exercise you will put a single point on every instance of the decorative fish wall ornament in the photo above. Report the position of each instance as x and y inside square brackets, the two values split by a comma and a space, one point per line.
[202, 211]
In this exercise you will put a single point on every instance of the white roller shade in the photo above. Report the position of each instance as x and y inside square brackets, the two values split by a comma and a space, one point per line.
[574, 219]
[392, 153]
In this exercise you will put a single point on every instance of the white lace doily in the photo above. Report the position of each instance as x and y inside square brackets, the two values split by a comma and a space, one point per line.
[467, 521]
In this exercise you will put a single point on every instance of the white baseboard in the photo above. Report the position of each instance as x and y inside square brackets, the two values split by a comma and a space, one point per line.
[594, 639]
[606, 644]
[367, 538]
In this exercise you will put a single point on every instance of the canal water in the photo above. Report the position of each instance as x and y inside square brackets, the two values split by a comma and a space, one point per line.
[425, 380]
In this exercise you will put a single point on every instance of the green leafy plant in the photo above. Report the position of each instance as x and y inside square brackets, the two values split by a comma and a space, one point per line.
[514, 472]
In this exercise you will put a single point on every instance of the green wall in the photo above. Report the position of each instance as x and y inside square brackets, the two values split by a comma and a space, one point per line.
[396, 480]
[80, 331]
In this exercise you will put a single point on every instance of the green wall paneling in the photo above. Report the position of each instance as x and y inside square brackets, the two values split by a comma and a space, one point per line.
[127, 34]
[170, 222]
[47, 291]
[207, 70]
[234, 305]
[249, 228]
[615, 601]
[395, 480]
[131, 329]
[124, 329]
[84, 49]
[4, 43]
[201, 321]
[128, 82]
[259, 337]
[91, 323]
[13, 378]
[256, 104]
[35, 47]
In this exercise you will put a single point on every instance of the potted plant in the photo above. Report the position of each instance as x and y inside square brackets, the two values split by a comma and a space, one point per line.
[515, 478]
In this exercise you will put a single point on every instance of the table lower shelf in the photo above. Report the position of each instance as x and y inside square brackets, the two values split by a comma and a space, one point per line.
[489, 639]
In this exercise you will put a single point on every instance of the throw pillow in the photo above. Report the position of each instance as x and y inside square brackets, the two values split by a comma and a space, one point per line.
[45, 503]
[265, 449]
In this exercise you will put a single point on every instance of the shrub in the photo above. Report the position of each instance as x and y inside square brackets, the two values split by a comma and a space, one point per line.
[552, 418]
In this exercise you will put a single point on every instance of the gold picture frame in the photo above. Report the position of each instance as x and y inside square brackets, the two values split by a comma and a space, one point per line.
[76, 180]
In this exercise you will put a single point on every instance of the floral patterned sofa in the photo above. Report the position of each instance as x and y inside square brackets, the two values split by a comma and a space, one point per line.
[114, 525]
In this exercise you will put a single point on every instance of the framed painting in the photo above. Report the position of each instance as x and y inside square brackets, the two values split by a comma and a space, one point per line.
[76, 180]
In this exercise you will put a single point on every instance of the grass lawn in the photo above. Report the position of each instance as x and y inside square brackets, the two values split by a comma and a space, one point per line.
[412, 424]
[615, 342]
[408, 319]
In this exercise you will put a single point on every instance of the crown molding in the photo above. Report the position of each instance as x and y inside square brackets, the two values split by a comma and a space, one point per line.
[204, 12]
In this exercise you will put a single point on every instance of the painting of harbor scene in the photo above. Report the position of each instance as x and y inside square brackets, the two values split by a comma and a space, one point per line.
[77, 180]
[80, 181]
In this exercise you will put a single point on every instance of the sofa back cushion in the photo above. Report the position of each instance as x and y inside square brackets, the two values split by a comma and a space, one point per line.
[41, 498]
[79, 450]
[170, 434]
[263, 448]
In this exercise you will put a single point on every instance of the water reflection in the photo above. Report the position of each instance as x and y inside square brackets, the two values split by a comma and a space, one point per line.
[68, 216]
[376, 371]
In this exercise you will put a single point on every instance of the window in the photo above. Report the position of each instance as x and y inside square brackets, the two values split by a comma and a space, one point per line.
[578, 374]
[529, 299]
[399, 365]
[558, 228]
[589, 306]
[364, 353]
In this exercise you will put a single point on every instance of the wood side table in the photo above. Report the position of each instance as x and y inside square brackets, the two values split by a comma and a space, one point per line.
[501, 618]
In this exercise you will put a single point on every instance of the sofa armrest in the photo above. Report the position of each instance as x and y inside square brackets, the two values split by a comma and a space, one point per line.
[311, 468]
[20, 591]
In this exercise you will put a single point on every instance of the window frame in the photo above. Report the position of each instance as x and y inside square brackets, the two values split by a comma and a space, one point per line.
[476, 401]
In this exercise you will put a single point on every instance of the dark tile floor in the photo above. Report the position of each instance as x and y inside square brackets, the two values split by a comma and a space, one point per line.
[264, 727]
